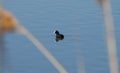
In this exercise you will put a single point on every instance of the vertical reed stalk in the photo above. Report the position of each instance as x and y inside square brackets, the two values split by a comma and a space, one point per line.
[110, 38]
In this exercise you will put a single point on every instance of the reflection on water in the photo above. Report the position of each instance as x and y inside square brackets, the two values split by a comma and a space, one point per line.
[2, 48]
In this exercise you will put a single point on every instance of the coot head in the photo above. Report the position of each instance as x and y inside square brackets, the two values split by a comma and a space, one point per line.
[56, 32]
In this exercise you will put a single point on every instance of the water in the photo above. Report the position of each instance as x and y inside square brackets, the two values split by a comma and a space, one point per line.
[79, 20]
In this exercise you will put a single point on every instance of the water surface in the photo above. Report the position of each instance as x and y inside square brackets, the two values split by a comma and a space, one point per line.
[79, 20]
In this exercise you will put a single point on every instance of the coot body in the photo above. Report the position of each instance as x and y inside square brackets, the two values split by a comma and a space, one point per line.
[58, 36]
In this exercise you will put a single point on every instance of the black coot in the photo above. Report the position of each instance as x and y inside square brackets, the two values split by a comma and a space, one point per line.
[58, 36]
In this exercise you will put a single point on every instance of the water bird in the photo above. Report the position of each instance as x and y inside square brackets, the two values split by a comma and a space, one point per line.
[58, 36]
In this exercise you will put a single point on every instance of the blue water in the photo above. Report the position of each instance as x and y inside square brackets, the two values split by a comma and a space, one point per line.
[79, 20]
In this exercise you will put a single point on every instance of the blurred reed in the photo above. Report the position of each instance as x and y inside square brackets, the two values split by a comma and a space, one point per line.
[110, 37]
